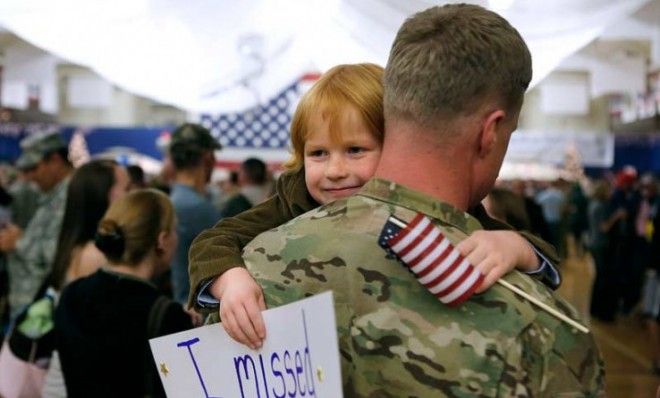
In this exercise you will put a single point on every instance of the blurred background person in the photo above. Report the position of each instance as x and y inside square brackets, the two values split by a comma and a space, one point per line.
[136, 175]
[25, 201]
[534, 212]
[509, 207]
[225, 189]
[101, 321]
[552, 200]
[622, 212]
[254, 187]
[44, 159]
[92, 188]
[599, 228]
[191, 151]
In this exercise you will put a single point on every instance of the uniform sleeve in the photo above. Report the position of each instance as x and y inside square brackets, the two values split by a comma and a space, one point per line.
[219, 248]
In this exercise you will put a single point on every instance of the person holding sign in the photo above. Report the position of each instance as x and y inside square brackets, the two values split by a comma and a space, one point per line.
[351, 97]
[454, 86]
[103, 321]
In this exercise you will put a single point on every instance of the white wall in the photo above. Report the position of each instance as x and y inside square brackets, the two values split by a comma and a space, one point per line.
[94, 101]
[99, 103]
[643, 25]
[541, 113]
[614, 74]
[24, 65]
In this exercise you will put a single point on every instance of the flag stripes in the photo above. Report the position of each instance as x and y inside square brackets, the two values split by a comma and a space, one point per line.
[435, 261]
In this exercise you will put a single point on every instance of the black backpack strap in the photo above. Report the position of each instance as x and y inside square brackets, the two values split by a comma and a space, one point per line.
[156, 315]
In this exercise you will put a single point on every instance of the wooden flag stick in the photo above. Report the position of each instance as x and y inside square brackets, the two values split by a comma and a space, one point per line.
[543, 306]
[522, 294]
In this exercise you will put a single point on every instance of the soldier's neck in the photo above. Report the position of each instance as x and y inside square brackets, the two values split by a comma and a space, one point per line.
[423, 166]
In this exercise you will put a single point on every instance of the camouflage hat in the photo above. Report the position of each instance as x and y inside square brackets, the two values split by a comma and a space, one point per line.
[36, 146]
[194, 136]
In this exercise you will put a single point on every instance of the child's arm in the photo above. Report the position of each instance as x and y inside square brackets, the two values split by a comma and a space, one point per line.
[504, 248]
[496, 253]
[241, 303]
[215, 258]
[218, 249]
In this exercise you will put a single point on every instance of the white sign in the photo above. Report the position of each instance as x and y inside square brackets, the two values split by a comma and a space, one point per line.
[299, 358]
[595, 149]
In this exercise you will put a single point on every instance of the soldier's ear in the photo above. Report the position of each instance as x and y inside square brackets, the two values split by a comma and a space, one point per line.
[488, 137]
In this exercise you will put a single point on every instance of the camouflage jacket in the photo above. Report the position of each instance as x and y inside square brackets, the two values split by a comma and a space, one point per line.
[32, 260]
[218, 249]
[395, 338]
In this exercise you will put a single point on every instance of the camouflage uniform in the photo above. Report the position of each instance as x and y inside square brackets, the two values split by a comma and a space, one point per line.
[395, 338]
[31, 262]
[218, 249]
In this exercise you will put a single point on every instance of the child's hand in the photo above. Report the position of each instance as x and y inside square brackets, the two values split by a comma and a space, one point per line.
[241, 303]
[496, 253]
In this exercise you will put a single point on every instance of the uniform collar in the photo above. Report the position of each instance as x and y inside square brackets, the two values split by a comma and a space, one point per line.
[400, 195]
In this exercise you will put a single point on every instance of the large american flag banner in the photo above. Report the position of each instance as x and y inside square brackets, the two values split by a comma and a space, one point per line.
[434, 260]
[265, 126]
[262, 131]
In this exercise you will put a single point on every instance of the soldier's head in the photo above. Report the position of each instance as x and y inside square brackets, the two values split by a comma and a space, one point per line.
[44, 159]
[447, 60]
[192, 146]
[455, 68]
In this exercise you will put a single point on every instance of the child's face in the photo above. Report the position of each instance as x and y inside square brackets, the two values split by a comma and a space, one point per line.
[334, 170]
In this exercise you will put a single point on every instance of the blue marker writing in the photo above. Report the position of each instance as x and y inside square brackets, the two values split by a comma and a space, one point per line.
[187, 344]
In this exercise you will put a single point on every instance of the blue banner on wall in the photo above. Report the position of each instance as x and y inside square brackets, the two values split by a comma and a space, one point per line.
[142, 140]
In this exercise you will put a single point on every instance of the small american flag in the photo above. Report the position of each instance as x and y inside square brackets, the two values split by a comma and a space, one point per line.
[432, 258]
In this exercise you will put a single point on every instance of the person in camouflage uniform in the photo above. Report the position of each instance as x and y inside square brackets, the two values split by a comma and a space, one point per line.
[454, 85]
[30, 253]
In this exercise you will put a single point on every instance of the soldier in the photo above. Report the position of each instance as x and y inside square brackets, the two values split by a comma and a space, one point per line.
[44, 160]
[191, 150]
[454, 86]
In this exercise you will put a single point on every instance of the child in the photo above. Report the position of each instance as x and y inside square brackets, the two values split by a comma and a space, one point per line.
[336, 134]
[103, 321]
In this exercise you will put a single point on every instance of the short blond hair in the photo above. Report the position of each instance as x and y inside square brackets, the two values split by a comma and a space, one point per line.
[447, 60]
[130, 228]
[356, 85]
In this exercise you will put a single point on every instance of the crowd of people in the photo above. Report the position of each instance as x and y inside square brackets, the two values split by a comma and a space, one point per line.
[426, 134]
[615, 218]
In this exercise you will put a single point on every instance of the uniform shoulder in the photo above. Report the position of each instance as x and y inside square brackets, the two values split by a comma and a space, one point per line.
[330, 231]
[352, 215]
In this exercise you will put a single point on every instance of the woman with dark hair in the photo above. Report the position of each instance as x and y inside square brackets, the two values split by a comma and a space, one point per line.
[92, 188]
[104, 321]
